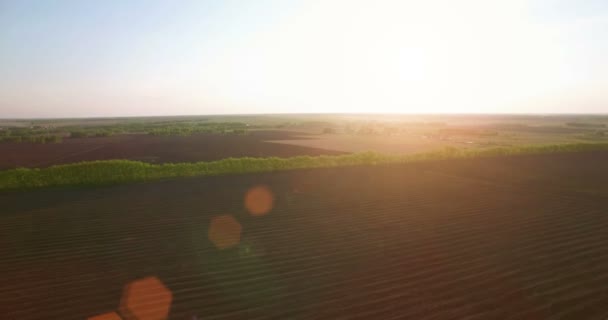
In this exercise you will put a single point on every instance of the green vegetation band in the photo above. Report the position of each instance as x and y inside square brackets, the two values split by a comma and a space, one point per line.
[121, 171]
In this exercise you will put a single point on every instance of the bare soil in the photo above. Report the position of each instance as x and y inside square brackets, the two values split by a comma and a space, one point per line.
[404, 144]
[478, 239]
[154, 149]
[422, 140]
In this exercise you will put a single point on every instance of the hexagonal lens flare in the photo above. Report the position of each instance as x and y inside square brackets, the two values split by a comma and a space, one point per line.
[146, 299]
[225, 231]
[259, 200]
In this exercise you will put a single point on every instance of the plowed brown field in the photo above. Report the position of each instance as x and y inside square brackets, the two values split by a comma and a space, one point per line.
[154, 149]
[505, 238]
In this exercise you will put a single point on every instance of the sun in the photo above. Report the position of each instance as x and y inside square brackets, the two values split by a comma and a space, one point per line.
[395, 56]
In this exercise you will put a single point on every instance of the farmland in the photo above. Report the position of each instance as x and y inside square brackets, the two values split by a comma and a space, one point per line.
[490, 238]
[303, 160]
[152, 149]
[192, 139]
[306, 217]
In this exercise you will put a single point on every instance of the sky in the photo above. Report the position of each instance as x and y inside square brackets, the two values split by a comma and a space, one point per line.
[90, 58]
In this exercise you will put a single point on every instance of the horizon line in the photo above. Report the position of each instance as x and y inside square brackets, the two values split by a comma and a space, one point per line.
[312, 114]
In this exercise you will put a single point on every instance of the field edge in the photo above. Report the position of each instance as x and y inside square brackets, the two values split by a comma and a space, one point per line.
[108, 172]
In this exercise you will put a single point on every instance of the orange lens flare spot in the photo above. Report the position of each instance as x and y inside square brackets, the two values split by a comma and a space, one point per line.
[259, 200]
[106, 316]
[146, 299]
[225, 231]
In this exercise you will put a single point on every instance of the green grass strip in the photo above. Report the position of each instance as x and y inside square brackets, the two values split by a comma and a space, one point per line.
[122, 171]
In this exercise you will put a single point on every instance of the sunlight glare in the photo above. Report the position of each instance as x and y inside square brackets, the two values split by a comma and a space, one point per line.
[397, 56]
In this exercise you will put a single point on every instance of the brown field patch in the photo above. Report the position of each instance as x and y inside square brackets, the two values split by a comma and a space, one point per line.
[403, 144]
[154, 149]
[444, 240]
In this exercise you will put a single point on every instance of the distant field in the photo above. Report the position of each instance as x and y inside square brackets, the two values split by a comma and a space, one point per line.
[508, 237]
[412, 138]
[355, 143]
[42, 143]
[153, 149]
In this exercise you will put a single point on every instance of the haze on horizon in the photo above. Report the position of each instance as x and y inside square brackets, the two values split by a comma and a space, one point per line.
[137, 58]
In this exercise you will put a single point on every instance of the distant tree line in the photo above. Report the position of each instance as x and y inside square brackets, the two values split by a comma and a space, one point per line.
[48, 134]
[599, 135]
[30, 135]
[585, 125]
[32, 139]
[387, 128]
[189, 129]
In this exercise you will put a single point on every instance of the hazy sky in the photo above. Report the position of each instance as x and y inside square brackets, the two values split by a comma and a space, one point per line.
[119, 57]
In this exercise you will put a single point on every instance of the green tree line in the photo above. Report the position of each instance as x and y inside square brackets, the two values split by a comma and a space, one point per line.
[42, 134]
[123, 171]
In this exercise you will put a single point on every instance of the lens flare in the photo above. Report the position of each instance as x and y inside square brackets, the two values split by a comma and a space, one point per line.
[225, 231]
[146, 299]
[259, 200]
